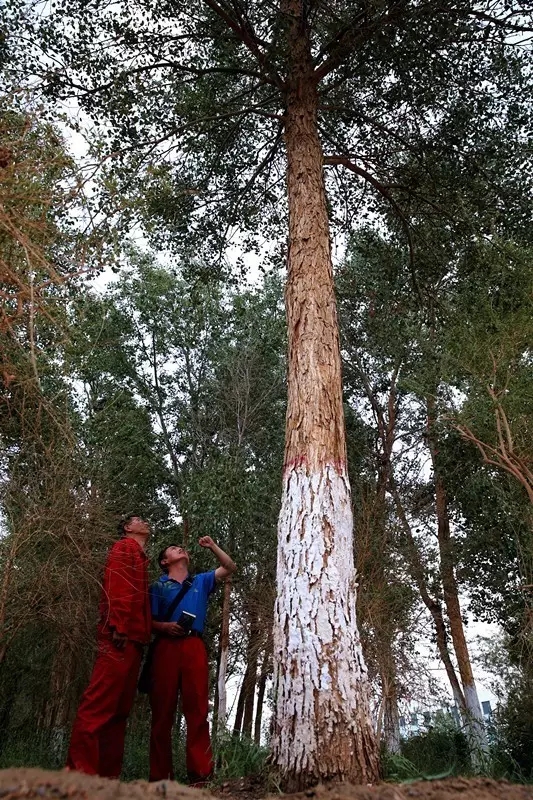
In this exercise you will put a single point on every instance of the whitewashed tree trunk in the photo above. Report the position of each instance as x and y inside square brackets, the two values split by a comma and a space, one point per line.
[322, 724]
[224, 651]
[322, 711]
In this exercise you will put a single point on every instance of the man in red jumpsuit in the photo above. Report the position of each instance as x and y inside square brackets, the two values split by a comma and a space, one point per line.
[97, 741]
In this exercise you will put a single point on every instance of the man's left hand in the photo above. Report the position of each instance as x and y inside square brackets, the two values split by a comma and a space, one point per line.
[206, 541]
[119, 640]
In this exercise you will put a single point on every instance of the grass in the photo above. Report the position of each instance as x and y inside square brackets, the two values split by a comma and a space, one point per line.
[438, 753]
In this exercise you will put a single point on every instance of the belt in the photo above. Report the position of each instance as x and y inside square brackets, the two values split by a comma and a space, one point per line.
[195, 633]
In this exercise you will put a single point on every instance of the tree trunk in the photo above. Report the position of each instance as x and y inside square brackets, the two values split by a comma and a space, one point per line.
[251, 675]
[390, 734]
[391, 717]
[451, 598]
[476, 727]
[386, 429]
[223, 661]
[237, 726]
[433, 606]
[323, 727]
[267, 657]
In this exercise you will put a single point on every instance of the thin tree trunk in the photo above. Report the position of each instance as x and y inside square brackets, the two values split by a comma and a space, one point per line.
[475, 721]
[215, 727]
[388, 728]
[251, 675]
[267, 656]
[386, 429]
[433, 606]
[7, 577]
[223, 662]
[237, 726]
[323, 728]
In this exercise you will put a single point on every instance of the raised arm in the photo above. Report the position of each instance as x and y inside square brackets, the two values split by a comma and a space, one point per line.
[227, 565]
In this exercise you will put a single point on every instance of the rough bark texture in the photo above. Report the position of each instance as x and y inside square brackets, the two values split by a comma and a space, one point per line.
[322, 727]
[391, 721]
[389, 688]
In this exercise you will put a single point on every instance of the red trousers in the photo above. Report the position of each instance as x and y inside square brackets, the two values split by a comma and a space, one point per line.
[97, 740]
[180, 667]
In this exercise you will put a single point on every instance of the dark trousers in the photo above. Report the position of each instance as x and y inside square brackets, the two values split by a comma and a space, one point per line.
[180, 667]
[97, 740]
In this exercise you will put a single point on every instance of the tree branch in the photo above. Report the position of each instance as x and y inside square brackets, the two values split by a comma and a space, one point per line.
[383, 191]
[247, 36]
[352, 35]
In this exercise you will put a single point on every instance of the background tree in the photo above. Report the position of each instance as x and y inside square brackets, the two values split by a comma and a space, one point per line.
[300, 71]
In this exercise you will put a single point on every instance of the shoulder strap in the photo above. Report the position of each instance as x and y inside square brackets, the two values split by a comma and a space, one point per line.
[187, 583]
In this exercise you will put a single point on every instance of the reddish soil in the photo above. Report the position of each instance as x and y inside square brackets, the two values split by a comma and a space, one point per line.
[36, 783]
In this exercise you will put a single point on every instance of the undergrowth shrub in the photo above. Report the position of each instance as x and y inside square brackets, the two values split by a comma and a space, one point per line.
[512, 735]
[440, 751]
[236, 757]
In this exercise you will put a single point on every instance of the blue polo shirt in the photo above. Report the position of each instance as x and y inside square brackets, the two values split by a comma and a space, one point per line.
[165, 589]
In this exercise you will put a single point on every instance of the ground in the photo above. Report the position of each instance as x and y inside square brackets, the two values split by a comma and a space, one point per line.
[36, 783]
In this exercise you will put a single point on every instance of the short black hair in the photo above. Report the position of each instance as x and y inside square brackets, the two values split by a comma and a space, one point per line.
[161, 556]
[121, 527]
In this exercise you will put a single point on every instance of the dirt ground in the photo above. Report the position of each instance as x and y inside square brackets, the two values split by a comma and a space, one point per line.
[36, 783]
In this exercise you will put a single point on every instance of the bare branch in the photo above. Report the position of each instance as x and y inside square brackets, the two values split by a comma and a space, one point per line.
[383, 191]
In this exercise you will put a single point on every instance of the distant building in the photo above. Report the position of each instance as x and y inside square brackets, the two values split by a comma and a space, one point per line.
[420, 719]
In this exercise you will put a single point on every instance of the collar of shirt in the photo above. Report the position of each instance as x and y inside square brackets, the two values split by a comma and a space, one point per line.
[137, 545]
[165, 578]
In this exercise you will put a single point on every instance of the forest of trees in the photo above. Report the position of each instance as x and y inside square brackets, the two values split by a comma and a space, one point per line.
[177, 341]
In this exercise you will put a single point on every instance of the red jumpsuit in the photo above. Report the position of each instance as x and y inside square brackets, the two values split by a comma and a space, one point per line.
[97, 741]
[180, 666]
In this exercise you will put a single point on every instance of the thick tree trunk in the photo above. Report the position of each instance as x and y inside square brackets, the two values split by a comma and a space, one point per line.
[476, 727]
[223, 660]
[323, 728]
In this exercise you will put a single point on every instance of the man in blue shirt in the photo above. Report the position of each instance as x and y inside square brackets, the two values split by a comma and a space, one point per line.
[179, 663]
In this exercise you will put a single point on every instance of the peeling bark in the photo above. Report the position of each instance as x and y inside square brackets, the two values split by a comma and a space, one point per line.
[322, 728]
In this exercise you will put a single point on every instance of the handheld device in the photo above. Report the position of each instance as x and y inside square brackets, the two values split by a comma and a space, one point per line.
[186, 620]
